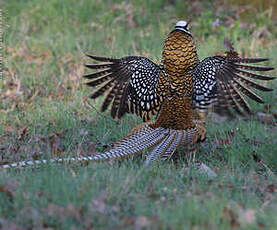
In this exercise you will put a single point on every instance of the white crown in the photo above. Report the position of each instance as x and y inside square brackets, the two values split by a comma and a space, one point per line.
[181, 24]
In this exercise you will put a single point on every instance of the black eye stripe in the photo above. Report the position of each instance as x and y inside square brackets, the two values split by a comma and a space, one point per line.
[182, 27]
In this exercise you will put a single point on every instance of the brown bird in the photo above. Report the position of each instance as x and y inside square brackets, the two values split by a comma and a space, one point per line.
[180, 91]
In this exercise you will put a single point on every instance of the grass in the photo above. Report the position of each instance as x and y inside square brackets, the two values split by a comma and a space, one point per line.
[46, 112]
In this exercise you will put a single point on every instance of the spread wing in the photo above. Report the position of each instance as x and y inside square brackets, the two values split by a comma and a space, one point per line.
[132, 85]
[225, 81]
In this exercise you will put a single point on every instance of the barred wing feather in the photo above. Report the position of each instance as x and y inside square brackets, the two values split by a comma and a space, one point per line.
[225, 81]
[131, 84]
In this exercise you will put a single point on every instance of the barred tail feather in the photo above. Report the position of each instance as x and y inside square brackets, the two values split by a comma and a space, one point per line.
[44, 161]
[165, 141]
[173, 146]
[144, 138]
[175, 138]
[160, 149]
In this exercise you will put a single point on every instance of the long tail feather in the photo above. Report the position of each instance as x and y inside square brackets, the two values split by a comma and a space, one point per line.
[136, 143]
[173, 146]
[174, 139]
[165, 141]
[43, 161]
[160, 149]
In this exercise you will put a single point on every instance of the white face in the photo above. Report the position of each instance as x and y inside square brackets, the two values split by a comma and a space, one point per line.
[182, 25]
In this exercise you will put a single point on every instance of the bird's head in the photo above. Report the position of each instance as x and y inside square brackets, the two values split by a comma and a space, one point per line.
[182, 25]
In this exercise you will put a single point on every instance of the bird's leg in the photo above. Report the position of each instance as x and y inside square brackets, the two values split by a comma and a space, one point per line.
[202, 132]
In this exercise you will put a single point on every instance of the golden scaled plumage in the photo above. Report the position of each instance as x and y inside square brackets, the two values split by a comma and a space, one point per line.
[176, 113]
[179, 57]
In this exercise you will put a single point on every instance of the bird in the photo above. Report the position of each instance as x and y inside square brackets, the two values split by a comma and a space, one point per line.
[178, 93]
[181, 90]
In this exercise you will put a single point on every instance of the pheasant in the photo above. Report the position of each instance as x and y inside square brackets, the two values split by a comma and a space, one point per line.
[180, 91]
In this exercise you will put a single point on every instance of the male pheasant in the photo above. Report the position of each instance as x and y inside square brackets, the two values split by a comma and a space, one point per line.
[180, 90]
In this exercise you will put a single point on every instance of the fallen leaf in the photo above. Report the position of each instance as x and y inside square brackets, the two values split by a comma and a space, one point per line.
[266, 118]
[261, 225]
[61, 91]
[23, 133]
[221, 141]
[270, 188]
[98, 205]
[262, 32]
[91, 149]
[230, 216]
[207, 170]
[128, 220]
[63, 212]
[7, 225]
[7, 192]
[256, 157]
[142, 222]
[55, 142]
[247, 216]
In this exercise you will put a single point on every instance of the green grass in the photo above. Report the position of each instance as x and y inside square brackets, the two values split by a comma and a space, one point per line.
[45, 112]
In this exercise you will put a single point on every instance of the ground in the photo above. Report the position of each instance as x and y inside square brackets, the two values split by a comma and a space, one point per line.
[45, 112]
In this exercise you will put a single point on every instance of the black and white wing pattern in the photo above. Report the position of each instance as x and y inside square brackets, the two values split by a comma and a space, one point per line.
[131, 84]
[224, 81]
